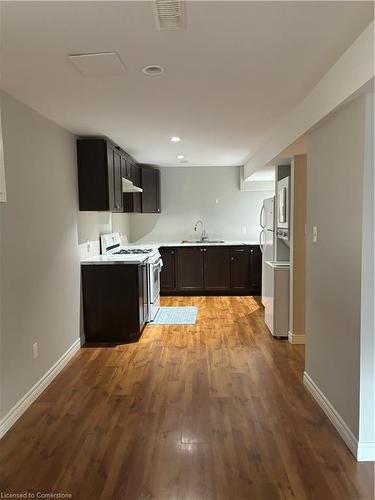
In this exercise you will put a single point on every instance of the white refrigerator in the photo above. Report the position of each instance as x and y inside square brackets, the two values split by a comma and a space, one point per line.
[275, 275]
[267, 236]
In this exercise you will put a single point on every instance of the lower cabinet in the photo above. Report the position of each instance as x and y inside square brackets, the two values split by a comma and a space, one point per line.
[239, 268]
[189, 266]
[168, 272]
[211, 270]
[114, 302]
[216, 268]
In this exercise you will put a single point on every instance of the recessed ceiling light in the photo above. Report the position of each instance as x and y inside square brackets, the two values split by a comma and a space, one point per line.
[175, 138]
[153, 70]
[180, 157]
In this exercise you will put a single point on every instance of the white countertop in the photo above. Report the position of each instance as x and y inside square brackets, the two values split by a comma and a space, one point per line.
[158, 244]
[116, 259]
[138, 259]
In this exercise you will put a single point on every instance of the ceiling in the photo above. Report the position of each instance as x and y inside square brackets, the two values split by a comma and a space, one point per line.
[229, 76]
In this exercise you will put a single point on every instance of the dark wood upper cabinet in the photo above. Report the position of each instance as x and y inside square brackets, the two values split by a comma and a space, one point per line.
[150, 198]
[99, 175]
[117, 182]
[189, 266]
[255, 270]
[216, 268]
[101, 168]
[168, 271]
[240, 268]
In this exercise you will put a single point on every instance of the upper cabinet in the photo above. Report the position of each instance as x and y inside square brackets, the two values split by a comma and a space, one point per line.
[132, 201]
[150, 180]
[101, 168]
[99, 175]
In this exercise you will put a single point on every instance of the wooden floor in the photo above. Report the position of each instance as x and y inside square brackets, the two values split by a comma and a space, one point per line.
[212, 411]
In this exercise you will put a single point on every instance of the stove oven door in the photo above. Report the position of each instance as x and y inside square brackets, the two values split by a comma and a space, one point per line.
[154, 288]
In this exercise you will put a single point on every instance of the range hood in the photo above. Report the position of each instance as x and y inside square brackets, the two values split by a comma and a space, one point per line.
[128, 187]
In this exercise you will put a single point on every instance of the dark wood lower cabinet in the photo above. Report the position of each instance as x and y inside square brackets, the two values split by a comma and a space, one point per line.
[114, 302]
[211, 270]
[239, 268]
[216, 268]
[168, 272]
[189, 266]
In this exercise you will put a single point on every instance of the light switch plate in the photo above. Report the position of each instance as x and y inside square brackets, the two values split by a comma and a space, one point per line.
[35, 350]
[315, 234]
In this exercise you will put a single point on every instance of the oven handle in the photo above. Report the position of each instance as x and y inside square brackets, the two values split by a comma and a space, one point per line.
[159, 264]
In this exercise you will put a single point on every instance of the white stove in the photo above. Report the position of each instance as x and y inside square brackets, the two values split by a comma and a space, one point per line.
[113, 250]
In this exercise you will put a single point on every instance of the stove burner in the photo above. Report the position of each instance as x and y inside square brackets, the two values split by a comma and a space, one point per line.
[133, 251]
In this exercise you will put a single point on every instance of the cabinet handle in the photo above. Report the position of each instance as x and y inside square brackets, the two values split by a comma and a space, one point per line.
[172, 252]
[232, 258]
[251, 251]
[201, 249]
[205, 250]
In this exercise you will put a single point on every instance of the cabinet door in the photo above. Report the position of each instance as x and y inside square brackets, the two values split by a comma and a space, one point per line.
[216, 268]
[117, 183]
[189, 266]
[137, 197]
[255, 270]
[240, 268]
[168, 271]
[150, 178]
[125, 169]
[111, 177]
[128, 197]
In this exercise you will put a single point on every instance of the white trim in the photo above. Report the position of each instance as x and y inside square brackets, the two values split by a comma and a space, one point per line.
[366, 452]
[296, 339]
[22, 405]
[362, 451]
[331, 413]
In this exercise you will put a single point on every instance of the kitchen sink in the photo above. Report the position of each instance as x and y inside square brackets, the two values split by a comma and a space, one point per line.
[205, 242]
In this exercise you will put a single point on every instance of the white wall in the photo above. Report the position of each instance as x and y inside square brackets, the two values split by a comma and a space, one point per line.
[189, 194]
[92, 224]
[367, 346]
[333, 266]
[39, 261]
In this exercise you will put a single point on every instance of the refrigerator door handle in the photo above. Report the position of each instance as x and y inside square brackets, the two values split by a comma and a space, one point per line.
[260, 240]
[261, 217]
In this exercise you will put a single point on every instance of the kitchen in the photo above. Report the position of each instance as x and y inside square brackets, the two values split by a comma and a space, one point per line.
[196, 265]
[186, 251]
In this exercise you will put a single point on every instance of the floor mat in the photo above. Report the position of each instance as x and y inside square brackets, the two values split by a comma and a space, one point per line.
[176, 316]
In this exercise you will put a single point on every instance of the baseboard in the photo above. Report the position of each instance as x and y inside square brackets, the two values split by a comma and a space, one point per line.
[296, 339]
[363, 452]
[366, 452]
[331, 413]
[19, 408]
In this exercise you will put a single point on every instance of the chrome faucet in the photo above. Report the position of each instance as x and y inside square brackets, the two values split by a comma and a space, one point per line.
[204, 235]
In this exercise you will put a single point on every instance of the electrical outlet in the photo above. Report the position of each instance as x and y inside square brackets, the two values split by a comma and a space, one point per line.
[35, 350]
[88, 244]
[217, 201]
[315, 234]
[243, 230]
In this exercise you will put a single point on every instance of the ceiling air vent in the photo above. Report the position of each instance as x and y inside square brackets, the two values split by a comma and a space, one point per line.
[168, 14]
